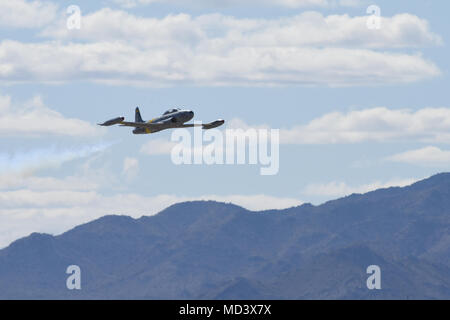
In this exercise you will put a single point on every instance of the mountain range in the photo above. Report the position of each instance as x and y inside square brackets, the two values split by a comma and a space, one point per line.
[212, 250]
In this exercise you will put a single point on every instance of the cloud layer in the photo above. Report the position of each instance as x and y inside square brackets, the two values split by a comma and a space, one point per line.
[33, 160]
[116, 47]
[45, 204]
[26, 14]
[218, 31]
[33, 118]
[226, 3]
[427, 156]
[340, 189]
[373, 125]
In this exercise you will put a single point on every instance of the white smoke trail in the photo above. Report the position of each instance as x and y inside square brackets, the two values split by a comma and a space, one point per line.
[30, 161]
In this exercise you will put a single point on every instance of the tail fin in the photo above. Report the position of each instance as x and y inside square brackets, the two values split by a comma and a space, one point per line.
[138, 117]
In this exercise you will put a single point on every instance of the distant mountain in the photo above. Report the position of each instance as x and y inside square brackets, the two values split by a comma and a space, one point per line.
[211, 250]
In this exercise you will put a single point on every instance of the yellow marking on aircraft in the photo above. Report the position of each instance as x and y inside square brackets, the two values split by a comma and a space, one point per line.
[147, 130]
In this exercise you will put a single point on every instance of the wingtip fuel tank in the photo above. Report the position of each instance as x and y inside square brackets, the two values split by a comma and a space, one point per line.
[214, 124]
[112, 121]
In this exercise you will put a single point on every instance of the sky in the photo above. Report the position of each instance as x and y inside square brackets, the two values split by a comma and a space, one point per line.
[360, 102]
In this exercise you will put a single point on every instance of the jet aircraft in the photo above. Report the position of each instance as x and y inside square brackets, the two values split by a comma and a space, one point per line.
[172, 118]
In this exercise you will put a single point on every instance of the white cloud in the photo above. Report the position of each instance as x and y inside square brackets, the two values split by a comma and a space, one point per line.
[218, 31]
[376, 124]
[130, 167]
[43, 199]
[212, 50]
[158, 147]
[237, 123]
[427, 156]
[226, 3]
[221, 32]
[34, 118]
[26, 210]
[29, 161]
[14, 181]
[118, 63]
[340, 189]
[26, 14]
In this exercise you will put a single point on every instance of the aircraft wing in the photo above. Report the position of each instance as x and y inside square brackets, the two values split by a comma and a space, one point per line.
[120, 121]
[148, 125]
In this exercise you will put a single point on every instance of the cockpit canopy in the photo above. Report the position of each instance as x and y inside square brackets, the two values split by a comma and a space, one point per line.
[171, 111]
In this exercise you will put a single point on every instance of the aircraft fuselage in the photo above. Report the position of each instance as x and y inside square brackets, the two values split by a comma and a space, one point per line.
[169, 120]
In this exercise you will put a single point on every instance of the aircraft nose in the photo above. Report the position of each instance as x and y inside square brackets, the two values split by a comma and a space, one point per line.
[191, 114]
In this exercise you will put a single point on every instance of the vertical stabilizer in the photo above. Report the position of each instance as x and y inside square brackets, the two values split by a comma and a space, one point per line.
[138, 117]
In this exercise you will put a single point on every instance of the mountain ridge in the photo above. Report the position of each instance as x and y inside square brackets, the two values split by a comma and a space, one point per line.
[213, 250]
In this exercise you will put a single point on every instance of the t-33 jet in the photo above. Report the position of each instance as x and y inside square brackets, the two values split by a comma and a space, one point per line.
[173, 118]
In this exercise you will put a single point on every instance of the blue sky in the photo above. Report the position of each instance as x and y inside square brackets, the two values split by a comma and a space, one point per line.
[357, 109]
